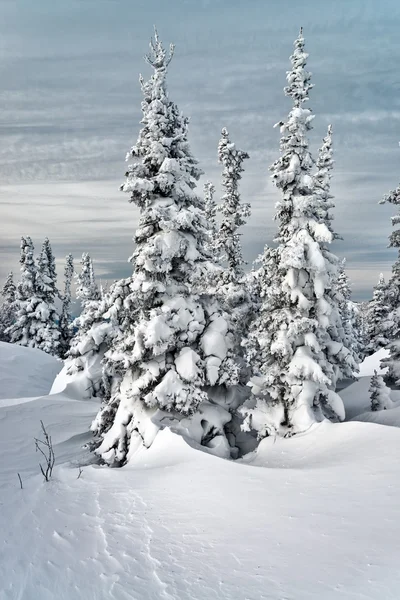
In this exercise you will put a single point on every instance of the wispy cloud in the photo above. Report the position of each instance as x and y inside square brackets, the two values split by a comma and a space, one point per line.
[70, 109]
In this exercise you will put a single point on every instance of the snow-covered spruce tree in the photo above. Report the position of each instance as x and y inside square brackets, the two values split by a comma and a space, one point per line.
[354, 338]
[378, 314]
[393, 361]
[66, 330]
[173, 342]
[379, 393]
[293, 387]
[339, 349]
[232, 286]
[92, 329]
[86, 287]
[210, 210]
[36, 318]
[48, 338]
[7, 308]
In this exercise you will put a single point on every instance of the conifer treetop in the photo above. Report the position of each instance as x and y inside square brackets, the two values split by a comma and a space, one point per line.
[233, 210]
[157, 57]
[299, 80]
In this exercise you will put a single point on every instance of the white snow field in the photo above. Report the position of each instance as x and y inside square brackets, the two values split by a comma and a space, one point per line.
[314, 517]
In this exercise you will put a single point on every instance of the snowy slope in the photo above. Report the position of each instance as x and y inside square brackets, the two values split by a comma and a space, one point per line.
[356, 397]
[311, 517]
[26, 371]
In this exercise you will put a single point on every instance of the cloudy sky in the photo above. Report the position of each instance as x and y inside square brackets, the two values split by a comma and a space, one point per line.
[70, 109]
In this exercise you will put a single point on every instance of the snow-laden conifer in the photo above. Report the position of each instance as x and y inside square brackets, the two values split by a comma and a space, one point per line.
[349, 314]
[88, 344]
[379, 393]
[378, 314]
[232, 282]
[294, 385]
[87, 289]
[339, 349]
[66, 330]
[46, 290]
[210, 210]
[7, 307]
[393, 361]
[36, 318]
[167, 342]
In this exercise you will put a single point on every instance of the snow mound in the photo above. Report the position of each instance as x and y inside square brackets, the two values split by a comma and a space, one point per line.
[390, 417]
[26, 372]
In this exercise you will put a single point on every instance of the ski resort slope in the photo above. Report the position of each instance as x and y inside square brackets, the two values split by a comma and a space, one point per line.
[312, 517]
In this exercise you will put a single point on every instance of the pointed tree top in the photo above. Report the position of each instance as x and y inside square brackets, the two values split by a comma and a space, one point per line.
[299, 80]
[157, 57]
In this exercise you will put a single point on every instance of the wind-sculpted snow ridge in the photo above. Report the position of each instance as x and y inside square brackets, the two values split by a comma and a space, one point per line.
[178, 523]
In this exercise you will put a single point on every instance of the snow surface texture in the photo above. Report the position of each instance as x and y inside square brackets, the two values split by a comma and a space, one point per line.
[308, 518]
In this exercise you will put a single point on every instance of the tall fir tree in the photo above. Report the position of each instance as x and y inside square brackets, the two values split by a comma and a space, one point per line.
[293, 388]
[339, 350]
[353, 333]
[47, 292]
[210, 210]
[233, 289]
[393, 361]
[8, 307]
[66, 329]
[35, 323]
[168, 342]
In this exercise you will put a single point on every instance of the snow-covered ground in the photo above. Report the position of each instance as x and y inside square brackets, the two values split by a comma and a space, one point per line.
[311, 517]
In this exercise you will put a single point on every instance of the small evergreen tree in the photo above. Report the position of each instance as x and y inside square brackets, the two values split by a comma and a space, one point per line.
[66, 329]
[378, 313]
[379, 393]
[86, 287]
[83, 348]
[293, 387]
[36, 318]
[7, 308]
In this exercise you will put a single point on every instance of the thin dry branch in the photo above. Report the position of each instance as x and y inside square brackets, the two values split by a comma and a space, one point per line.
[45, 447]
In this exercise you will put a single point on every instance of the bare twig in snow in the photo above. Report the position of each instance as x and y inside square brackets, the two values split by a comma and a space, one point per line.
[45, 447]
[20, 480]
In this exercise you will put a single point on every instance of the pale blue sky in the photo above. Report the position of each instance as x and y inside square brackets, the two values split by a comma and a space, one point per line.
[70, 109]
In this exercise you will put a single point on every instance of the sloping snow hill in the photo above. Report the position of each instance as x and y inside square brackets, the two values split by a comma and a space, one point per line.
[26, 371]
[313, 517]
